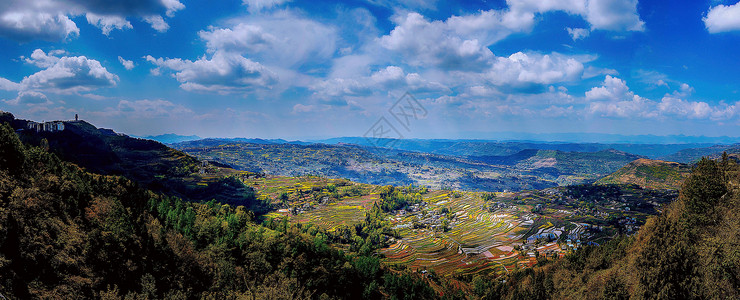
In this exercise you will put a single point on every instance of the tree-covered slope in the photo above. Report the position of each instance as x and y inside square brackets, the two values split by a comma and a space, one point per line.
[691, 251]
[149, 163]
[66, 233]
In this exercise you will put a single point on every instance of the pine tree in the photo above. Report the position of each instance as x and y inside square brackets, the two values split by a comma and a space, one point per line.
[11, 149]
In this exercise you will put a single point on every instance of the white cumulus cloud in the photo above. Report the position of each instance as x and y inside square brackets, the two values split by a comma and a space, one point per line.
[128, 64]
[459, 43]
[29, 97]
[157, 23]
[259, 5]
[253, 52]
[7, 85]
[614, 99]
[282, 39]
[672, 105]
[616, 15]
[688, 109]
[222, 73]
[51, 20]
[533, 68]
[723, 18]
[383, 80]
[40, 59]
[578, 33]
[66, 74]
[25, 26]
[60, 74]
[108, 23]
[69, 74]
[613, 15]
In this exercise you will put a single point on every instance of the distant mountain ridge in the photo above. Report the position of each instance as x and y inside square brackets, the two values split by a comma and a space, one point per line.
[692, 155]
[170, 138]
[603, 138]
[210, 142]
[466, 147]
[479, 148]
[526, 169]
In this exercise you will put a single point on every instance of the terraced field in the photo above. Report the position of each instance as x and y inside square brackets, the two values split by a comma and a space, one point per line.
[450, 232]
[272, 186]
[348, 211]
[311, 194]
[477, 241]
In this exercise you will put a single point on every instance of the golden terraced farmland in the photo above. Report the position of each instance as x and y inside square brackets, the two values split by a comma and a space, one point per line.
[477, 240]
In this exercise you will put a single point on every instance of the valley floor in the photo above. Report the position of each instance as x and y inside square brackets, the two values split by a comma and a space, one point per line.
[453, 233]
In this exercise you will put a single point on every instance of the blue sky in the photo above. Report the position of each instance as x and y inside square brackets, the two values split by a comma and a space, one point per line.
[314, 69]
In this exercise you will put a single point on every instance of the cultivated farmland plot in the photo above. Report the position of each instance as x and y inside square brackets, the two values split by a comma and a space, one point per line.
[452, 233]
[478, 240]
[348, 211]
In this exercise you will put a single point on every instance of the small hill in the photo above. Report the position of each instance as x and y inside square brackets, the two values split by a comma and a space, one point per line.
[599, 162]
[104, 151]
[648, 173]
[564, 162]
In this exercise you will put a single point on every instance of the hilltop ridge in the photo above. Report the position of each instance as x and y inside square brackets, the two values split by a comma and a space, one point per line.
[150, 163]
[649, 173]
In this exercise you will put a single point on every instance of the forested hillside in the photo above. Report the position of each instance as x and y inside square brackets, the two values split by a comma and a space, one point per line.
[66, 233]
[149, 163]
[691, 251]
